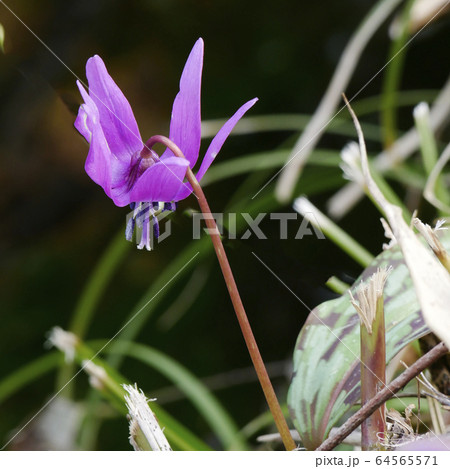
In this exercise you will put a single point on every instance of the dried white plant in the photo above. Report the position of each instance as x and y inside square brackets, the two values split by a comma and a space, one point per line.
[430, 279]
[351, 164]
[143, 423]
[430, 235]
[347, 197]
[367, 296]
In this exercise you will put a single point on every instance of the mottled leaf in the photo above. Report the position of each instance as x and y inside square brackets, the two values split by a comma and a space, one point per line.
[326, 379]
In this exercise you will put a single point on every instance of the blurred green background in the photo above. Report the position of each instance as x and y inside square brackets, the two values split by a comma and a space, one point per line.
[56, 222]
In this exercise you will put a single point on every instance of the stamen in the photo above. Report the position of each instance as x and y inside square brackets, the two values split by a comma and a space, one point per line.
[158, 207]
[145, 214]
[145, 238]
[170, 206]
[155, 227]
[129, 230]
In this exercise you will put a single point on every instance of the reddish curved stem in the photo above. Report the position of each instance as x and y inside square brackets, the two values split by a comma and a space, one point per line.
[246, 329]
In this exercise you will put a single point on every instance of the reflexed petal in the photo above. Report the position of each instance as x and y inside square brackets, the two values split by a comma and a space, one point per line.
[185, 124]
[221, 136]
[101, 166]
[99, 157]
[89, 107]
[116, 116]
[215, 146]
[161, 182]
[97, 164]
[81, 122]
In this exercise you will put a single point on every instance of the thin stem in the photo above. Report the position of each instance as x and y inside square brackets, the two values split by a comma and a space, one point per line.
[242, 317]
[249, 338]
[382, 396]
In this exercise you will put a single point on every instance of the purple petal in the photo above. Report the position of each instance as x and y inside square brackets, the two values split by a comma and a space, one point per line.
[98, 160]
[89, 107]
[101, 166]
[161, 182]
[216, 145]
[116, 116]
[185, 124]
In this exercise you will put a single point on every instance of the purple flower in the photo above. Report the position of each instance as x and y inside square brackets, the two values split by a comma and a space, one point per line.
[115, 161]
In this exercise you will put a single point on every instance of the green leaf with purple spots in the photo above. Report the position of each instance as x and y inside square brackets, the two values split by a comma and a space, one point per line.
[326, 379]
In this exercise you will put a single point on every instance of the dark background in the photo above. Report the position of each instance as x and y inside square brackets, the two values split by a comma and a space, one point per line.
[55, 222]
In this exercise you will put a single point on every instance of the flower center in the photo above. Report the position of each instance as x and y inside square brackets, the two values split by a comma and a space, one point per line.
[148, 158]
[140, 161]
[142, 221]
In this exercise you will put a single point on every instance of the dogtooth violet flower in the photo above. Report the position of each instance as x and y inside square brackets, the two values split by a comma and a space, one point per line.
[119, 161]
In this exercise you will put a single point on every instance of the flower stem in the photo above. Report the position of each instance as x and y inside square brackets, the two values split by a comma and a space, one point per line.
[242, 316]
[246, 329]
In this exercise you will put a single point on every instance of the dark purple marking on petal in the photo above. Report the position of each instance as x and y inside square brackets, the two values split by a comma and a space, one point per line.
[133, 172]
